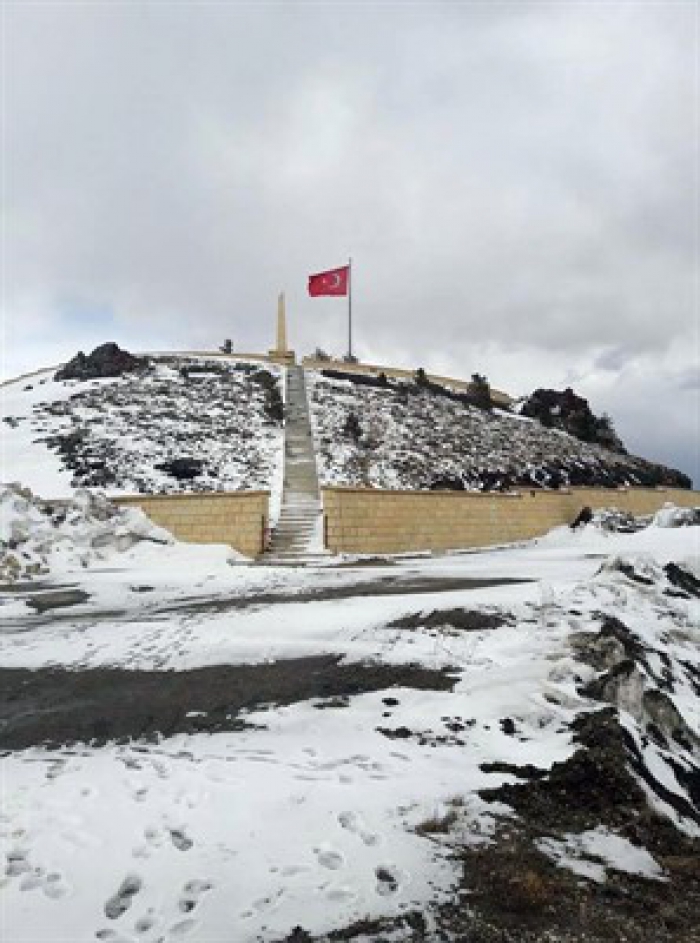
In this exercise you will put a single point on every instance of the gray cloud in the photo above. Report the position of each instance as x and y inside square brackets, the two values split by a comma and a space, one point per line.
[517, 183]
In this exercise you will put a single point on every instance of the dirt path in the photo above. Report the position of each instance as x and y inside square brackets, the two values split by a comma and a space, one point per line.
[54, 604]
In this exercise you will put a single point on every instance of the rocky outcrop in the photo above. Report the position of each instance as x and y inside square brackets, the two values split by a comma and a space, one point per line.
[572, 413]
[107, 360]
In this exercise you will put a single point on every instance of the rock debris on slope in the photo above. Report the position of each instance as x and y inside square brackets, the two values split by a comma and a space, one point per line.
[393, 434]
[178, 424]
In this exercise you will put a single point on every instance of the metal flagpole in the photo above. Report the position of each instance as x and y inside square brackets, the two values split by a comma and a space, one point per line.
[350, 309]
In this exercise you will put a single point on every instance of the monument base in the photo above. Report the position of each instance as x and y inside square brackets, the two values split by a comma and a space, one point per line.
[283, 357]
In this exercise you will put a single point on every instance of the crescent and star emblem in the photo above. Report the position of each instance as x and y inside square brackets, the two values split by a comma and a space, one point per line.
[333, 281]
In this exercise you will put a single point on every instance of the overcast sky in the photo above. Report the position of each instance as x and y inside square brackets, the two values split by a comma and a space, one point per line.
[517, 184]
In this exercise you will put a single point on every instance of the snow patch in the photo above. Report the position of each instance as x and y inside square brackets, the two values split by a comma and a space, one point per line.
[608, 850]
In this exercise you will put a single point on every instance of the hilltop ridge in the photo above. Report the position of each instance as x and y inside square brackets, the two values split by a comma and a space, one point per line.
[184, 422]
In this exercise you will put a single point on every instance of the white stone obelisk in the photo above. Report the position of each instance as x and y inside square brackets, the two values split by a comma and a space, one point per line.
[281, 353]
[281, 325]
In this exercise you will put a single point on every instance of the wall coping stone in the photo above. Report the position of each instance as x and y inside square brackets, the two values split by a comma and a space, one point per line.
[187, 496]
[525, 492]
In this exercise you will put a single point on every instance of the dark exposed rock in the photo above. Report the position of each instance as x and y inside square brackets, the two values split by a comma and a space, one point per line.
[683, 579]
[352, 428]
[359, 379]
[273, 406]
[460, 620]
[184, 469]
[565, 410]
[298, 935]
[107, 360]
[397, 733]
[592, 781]
[528, 771]
[584, 516]
[447, 483]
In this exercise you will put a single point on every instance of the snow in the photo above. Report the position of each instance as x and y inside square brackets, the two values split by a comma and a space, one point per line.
[55, 540]
[123, 428]
[205, 813]
[410, 440]
[312, 816]
[671, 516]
[574, 852]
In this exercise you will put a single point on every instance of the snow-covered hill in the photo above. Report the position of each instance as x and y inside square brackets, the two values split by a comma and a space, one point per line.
[191, 423]
[398, 435]
[218, 420]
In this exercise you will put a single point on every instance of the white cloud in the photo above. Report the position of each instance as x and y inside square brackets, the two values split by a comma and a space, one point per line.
[517, 184]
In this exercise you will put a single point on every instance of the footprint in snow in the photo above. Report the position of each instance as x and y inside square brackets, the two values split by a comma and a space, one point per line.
[145, 923]
[180, 840]
[55, 770]
[160, 769]
[154, 839]
[264, 904]
[327, 858]
[32, 881]
[121, 901]
[111, 936]
[53, 886]
[292, 870]
[341, 895]
[387, 880]
[181, 928]
[192, 894]
[352, 822]
[17, 863]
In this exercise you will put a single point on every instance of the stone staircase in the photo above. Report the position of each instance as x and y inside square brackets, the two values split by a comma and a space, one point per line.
[298, 536]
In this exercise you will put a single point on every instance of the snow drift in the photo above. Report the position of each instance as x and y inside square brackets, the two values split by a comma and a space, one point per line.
[38, 536]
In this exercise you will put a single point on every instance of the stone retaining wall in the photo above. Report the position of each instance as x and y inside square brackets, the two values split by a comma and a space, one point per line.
[363, 520]
[237, 518]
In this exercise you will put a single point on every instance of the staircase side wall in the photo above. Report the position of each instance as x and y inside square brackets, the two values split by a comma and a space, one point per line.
[362, 520]
[237, 518]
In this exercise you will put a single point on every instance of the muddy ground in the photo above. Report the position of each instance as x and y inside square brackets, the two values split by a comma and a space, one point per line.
[54, 706]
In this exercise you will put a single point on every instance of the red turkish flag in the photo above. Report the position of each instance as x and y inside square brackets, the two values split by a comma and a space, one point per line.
[334, 282]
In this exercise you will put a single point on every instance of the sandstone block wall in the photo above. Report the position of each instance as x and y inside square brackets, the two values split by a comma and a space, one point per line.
[363, 520]
[237, 518]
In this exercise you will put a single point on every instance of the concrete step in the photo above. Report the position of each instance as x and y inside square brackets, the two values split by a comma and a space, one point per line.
[308, 530]
[294, 533]
[294, 559]
[308, 523]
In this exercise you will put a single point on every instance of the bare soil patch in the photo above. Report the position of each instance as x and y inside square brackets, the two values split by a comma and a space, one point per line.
[458, 620]
[54, 706]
